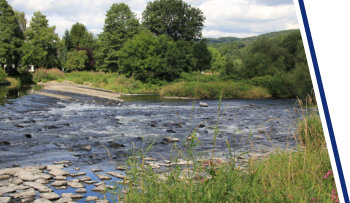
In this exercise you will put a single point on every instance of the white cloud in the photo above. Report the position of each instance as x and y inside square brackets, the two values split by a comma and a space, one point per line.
[223, 17]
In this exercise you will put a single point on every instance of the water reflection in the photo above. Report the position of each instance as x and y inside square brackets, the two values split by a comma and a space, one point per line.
[13, 93]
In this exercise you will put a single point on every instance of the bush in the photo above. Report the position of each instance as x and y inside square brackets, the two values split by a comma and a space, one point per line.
[3, 75]
[278, 85]
[44, 75]
[213, 90]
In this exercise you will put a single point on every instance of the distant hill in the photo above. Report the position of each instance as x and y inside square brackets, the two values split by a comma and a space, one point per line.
[248, 39]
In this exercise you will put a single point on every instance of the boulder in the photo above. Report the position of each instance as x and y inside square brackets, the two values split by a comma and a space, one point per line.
[28, 135]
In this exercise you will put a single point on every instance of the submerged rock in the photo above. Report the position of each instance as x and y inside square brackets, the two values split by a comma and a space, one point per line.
[28, 135]
[171, 131]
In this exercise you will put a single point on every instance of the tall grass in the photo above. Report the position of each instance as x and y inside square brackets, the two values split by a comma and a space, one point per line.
[302, 175]
[212, 90]
[111, 81]
[45, 75]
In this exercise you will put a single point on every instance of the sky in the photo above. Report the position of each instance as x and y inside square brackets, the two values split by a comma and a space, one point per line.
[236, 18]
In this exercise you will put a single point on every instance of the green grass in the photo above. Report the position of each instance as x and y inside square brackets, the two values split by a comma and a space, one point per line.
[303, 175]
[212, 90]
[111, 81]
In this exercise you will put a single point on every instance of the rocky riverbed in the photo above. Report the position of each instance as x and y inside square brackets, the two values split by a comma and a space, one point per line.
[100, 133]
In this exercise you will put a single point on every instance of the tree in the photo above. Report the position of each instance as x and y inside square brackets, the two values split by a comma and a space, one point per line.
[202, 55]
[217, 61]
[174, 18]
[21, 19]
[11, 38]
[120, 25]
[40, 48]
[149, 58]
[76, 60]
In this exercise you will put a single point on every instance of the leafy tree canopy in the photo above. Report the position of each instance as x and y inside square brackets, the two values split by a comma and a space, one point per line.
[40, 48]
[11, 38]
[174, 18]
[76, 60]
[120, 25]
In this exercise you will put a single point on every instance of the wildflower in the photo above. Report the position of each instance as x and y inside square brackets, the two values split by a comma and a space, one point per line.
[329, 173]
[334, 196]
[314, 199]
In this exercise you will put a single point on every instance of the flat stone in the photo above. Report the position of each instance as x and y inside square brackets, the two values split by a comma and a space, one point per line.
[42, 200]
[74, 184]
[91, 198]
[77, 174]
[77, 169]
[50, 196]
[149, 159]
[100, 183]
[64, 200]
[62, 162]
[4, 177]
[38, 186]
[28, 199]
[171, 139]
[90, 182]
[100, 188]
[102, 201]
[59, 183]
[51, 167]
[24, 194]
[115, 174]
[77, 196]
[61, 188]
[60, 178]
[103, 177]
[5, 199]
[58, 172]
[120, 168]
[97, 170]
[9, 171]
[7, 189]
[16, 181]
[67, 194]
[42, 181]
[26, 176]
[84, 179]
[81, 190]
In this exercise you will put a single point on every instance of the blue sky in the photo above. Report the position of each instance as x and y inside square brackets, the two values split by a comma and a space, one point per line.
[239, 18]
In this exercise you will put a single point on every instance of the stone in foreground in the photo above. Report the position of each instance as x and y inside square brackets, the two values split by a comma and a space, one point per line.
[103, 177]
[5, 199]
[42, 200]
[75, 184]
[50, 196]
[91, 198]
[202, 104]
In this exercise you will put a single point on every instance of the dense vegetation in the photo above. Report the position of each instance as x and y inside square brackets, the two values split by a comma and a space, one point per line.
[159, 50]
[303, 175]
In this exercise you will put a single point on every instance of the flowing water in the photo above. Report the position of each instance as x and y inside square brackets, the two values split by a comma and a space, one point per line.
[35, 129]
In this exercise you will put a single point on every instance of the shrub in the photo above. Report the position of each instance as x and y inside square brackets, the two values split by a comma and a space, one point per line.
[3, 74]
[44, 75]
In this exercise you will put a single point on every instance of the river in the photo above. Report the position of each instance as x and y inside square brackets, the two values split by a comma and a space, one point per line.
[36, 130]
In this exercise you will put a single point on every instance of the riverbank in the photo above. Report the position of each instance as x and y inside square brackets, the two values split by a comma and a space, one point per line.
[303, 175]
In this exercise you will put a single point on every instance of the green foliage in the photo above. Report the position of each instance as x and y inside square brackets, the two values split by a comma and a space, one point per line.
[202, 55]
[11, 38]
[21, 19]
[278, 85]
[3, 75]
[217, 61]
[120, 25]
[303, 175]
[212, 90]
[174, 18]
[40, 48]
[112, 81]
[76, 60]
[149, 58]
[45, 75]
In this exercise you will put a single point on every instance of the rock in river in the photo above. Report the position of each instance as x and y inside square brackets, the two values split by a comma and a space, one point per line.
[202, 104]
[171, 139]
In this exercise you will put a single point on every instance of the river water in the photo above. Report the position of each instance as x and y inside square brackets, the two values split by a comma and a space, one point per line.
[36, 130]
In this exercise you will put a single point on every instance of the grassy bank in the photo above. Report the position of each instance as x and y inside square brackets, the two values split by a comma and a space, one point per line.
[212, 90]
[303, 175]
